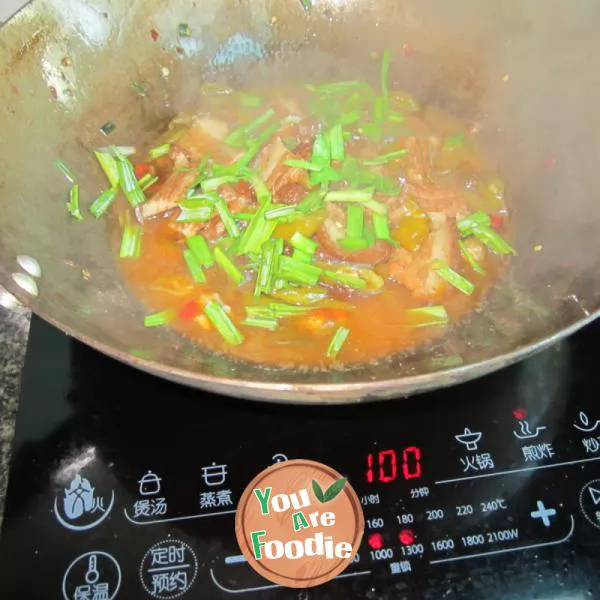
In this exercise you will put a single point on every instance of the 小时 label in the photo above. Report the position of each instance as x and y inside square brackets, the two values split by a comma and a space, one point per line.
[299, 524]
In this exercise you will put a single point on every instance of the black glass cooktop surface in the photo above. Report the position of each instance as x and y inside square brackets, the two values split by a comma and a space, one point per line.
[125, 486]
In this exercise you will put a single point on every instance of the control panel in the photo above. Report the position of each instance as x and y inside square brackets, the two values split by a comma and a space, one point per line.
[478, 492]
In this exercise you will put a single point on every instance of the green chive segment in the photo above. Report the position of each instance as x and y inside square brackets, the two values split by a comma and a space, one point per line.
[73, 204]
[223, 324]
[62, 167]
[466, 254]
[453, 278]
[131, 241]
[101, 205]
[158, 319]
[339, 339]
[194, 266]
[428, 316]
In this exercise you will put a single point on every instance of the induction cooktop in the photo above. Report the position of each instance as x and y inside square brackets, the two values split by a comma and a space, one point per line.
[125, 486]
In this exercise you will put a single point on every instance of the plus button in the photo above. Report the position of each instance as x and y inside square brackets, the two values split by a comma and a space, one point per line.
[543, 513]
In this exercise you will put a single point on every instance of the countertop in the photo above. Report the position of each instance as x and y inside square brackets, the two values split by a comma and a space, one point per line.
[14, 328]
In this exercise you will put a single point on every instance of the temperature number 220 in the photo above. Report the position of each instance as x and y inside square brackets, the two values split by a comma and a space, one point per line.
[383, 466]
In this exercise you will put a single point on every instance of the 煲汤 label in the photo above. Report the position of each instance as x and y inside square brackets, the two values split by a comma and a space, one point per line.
[299, 523]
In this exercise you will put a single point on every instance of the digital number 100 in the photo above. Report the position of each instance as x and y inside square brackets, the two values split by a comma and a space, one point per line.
[383, 466]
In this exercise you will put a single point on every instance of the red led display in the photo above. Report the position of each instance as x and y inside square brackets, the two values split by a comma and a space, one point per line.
[376, 541]
[384, 468]
[406, 537]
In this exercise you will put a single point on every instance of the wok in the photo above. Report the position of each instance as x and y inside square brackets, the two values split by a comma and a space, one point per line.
[523, 71]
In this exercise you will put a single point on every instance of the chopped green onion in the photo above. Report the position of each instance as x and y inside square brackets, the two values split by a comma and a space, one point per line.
[355, 221]
[194, 266]
[149, 182]
[243, 216]
[266, 271]
[285, 310]
[250, 101]
[477, 219]
[381, 227]
[338, 86]
[65, 171]
[239, 135]
[145, 179]
[227, 265]
[257, 233]
[195, 210]
[199, 246]
[453, 278]
[349, 118]
[336, 143]
[262, 323]
[214, 183]
[185, 30]
[321, 153]
[378, 110]
[159, 151]
[158, 319]
[223, 324]
[396, 117]
[352, 244]
[350, 195]
[299, 272]
[385, 75]
[129, 183]
[301, 242]
[376, 207]
[349, 280]
[466, 254]
[110, 167]
[453, 141]
[386, 158]
[312, 202]
[256, 144]
[228, 221]
[302, 256]
[263, 195]
[493, 240]
[280, 212]
[108, 128]
[73, 204]
[303, 164]
[102, 203]
[369, 233]
[373, 131]
[131, 241]
[429, 316]
[261, 312]
[339, 339]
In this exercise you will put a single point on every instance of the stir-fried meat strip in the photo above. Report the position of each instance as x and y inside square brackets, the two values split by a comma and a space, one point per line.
[270, 165]
[239, 198]
[415, 271]
[431, 196]
[202, 137]
[334, 229]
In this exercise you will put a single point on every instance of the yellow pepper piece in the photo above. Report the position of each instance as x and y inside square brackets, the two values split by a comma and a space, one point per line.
[411, 232]
[307, 226]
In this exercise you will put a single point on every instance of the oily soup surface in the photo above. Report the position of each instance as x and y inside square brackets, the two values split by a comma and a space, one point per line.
[301, 227]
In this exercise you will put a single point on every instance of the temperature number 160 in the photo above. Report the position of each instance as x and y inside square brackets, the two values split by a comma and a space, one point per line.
[383, 466]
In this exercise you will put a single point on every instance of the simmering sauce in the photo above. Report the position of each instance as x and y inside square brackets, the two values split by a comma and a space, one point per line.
[302, 227]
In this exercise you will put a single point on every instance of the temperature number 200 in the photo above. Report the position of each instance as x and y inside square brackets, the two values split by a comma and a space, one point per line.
[386, 469]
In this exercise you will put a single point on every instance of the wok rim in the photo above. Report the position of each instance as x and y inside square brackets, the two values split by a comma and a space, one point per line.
[323, 393]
